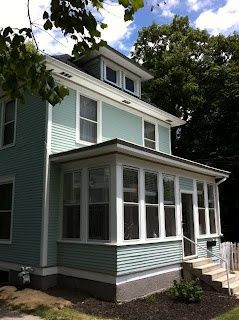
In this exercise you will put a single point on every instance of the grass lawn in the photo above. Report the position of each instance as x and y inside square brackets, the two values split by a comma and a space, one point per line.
[230, 315]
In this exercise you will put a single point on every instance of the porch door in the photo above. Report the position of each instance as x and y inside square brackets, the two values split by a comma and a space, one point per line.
[188, 224]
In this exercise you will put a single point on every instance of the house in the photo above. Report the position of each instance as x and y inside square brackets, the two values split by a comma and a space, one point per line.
[90, 195]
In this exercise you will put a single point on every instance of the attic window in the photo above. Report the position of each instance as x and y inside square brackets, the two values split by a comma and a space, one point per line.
[129, 84]
[111, 75]
[67, 75]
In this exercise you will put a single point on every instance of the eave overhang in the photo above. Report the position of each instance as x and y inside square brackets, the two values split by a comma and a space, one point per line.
[117, 146]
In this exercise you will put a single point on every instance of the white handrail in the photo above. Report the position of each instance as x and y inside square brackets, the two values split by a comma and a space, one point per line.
[215, 255]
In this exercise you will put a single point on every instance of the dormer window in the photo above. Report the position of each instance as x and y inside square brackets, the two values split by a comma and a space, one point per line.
[111, 75]
[129, 85]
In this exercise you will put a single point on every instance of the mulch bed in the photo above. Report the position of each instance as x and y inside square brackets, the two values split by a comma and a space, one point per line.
[157, 307]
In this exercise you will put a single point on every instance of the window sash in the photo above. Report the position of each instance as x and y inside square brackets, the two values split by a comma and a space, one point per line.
[5, 125]
[88, 127]
[129, 81]
[106, 78]
[132, 226]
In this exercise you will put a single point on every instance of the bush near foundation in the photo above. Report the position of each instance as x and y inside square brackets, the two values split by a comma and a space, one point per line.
[186, 291]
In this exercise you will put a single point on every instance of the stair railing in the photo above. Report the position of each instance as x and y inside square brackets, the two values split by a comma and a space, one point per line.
[215, 255]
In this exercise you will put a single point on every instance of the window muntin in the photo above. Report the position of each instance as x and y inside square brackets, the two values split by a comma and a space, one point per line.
[169, 205]
[9, 115]
[131, 204]
[129, 85]
[111, 75]
[71, 205]
[149, 135]
[151, 205]
[88, 119]
[211, 207]
[201, 208]
[99, 181]
[6, 197]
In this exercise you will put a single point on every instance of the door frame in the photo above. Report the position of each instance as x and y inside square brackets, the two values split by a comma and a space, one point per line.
[182, 191]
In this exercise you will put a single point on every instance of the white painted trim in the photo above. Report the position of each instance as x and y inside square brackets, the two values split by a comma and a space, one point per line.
[142, 209]
[113, 204]
[5, 180]
[2, 123]
[119, 204]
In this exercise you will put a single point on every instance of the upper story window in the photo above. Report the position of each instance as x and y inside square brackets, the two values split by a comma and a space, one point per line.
[8, 123]
[88, 119]
[149, 135]
[129, 85]
[6, 197]
[111, 75]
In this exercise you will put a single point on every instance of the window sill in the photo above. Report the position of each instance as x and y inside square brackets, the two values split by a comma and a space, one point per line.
[101, 243]
[208, 236]
[5, 242]
[7, 146]
[85, 143]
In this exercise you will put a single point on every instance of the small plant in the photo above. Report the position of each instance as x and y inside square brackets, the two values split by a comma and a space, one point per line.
[186, 291]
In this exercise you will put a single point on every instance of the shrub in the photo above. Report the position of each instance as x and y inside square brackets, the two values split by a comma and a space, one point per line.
[186, 291]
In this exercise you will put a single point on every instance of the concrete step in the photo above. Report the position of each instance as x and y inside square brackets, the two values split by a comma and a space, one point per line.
[233, 286]
[208, 267]
[223, 280]
[199, 262]
[217, 273]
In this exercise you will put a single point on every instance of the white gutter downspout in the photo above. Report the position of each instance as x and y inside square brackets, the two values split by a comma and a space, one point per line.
[218, 205]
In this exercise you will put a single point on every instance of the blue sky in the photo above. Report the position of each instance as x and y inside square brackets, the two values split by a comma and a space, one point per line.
[217, 16]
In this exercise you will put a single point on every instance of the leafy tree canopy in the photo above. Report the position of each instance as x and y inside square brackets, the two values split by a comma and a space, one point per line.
[196, 78]
[22, 67]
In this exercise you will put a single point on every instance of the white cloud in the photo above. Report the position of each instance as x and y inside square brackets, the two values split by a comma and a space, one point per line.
[54, 42]
[164, 8]
[196, 5]
[223, 20]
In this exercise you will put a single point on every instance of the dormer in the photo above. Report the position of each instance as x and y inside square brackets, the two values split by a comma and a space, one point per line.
[114, 68]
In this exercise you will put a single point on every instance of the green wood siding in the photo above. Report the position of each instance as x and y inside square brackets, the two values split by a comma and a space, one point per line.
[142, 257]
[164, 143]
[186, 184]
[25, 161]
[117, 123]
[203, 243]
[88, 257]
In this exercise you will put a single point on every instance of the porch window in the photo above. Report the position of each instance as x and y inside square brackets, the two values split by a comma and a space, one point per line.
[99, 180]
[88, 119]
[169, 205]
[71, 205]
[211, 205]
[151, 204]
[131, 204]
[9, 120]
[149, 135]
[201, 208]
[6, 196]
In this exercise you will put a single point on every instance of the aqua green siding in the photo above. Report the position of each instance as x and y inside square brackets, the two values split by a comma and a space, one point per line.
[186, 184]
[54, 213]
[204, 253]
[88, 257]
[25, 161]
[117, 123]
[142, 257]
[164, 136]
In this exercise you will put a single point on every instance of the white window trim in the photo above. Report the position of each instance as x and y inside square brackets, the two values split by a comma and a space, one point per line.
[116, 69]
[156, 134]
[6, 180]
[136, 83]
[215, 210]
[2, 124]
[176, 194]
[78, 117]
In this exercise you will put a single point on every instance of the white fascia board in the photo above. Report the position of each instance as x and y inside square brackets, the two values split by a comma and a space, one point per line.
[98, 86]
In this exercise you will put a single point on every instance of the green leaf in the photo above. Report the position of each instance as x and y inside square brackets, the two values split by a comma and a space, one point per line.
[48, 25]
[45, 15]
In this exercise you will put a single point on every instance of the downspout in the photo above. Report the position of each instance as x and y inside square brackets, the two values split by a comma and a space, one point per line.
[218, 205]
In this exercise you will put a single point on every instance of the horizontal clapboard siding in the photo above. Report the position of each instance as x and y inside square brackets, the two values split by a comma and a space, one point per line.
[143, 257]
[96, 258]
[185, 184]
[203, 243]
[25, 161]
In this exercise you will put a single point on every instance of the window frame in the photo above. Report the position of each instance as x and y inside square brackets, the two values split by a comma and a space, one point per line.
[79, 170]
[113, 67]
[170, 206]
[3, 181]
[138, 240]
[155, 134]
[3, 124]
[78, 117]
[88, 240]
[203, 235]
[214, 209]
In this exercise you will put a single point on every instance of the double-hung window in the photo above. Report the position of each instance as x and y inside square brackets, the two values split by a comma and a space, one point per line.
[6, 200]
[8, 123]
[131, 203]
[88, 119]
[71, 205]
[151, 205]
[149, 135]
[99, 181]
[169, 205]
[111, 75]
[211, 207]
[129, 84]
[201, 208]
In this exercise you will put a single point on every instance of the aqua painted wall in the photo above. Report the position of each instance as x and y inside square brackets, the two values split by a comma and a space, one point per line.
[164, 143]
[117, 123]
[25, 161]
[203, 243]
[186, 184]
[142, 257]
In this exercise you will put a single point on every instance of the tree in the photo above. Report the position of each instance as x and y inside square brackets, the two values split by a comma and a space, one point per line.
[196, 78]
[22, 66]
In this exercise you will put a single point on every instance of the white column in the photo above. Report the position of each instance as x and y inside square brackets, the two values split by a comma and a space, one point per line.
[161, 207]
[195, 210]
[84, 205]
[142, 218]
[119, 204]
[217, 208]
[113, 204]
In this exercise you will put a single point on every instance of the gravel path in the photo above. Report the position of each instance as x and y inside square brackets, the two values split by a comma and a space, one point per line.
[15, 315]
